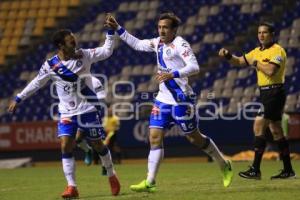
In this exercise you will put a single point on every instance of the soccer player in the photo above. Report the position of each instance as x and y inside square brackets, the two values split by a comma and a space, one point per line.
[269, 60]
[75, 112]
[174, 102]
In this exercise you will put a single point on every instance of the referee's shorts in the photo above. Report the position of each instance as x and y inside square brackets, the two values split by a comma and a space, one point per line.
[273, 99]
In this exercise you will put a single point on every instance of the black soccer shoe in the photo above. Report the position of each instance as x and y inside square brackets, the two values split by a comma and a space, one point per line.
[251, 173]
[284, 174]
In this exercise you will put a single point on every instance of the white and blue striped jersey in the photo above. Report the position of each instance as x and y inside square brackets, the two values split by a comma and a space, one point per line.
[176, 57]
[65, 76]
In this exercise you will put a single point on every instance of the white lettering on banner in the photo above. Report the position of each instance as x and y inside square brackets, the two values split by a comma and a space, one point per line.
[35, 135]
[4, 143]
[141, 131]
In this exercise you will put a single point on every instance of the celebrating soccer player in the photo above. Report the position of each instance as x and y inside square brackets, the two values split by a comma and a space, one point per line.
[175, 99]
[76, 113]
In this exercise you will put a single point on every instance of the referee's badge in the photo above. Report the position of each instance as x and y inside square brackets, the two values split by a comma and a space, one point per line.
[278, 58]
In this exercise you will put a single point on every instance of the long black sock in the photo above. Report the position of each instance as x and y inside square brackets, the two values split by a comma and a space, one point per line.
[259, 148]
[284, 152]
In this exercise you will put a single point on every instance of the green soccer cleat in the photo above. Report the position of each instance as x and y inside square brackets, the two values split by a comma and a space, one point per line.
[227, 174]
[143, 186]
[88, 157]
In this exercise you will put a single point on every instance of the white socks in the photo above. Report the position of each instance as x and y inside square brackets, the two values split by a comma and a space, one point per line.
[154, 159]
[69, 170]
[215, 153]
[107, 162]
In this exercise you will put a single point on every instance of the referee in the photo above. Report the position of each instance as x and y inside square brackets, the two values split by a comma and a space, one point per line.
[269, 60]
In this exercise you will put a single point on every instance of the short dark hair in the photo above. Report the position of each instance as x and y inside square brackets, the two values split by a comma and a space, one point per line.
[268, 24]
[58, 38]
[170, 15]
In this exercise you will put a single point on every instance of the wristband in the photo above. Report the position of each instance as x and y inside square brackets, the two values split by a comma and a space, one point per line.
[228, 55]
[18, 99]
[110, 32]
[176, 74]
[120, 30]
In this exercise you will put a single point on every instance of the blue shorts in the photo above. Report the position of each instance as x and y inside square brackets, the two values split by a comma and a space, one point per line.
[88, 123]
[163, 115]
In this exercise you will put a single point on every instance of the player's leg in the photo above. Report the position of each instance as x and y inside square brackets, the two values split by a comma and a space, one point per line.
[284, 151]
[259, 128]
[207, 145]
[82, 144]
[155, 157]
[106, 160]
[185, 117]
[66, 133]
[93, 134]
[159, 120]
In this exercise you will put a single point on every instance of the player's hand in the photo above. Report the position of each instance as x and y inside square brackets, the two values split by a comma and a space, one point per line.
[12, 107]
[223, 52]
[111, 22]
[162, 77]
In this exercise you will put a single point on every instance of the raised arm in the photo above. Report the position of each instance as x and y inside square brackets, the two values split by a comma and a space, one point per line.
[135, 43]
[106, 50]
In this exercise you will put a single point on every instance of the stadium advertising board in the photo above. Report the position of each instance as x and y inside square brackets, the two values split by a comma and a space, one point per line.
[28, 136]
[294, 126]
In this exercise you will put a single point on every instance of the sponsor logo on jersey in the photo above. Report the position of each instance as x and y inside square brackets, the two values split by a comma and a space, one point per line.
[266, 60]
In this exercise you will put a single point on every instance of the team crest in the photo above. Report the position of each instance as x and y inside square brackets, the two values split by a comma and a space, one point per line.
[278, 58]
[78, 63]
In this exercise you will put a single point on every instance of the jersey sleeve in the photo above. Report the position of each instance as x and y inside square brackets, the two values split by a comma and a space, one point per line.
[191, 65]
[135, 43]
[278, 57]
[103, 52]
[37, 83]
[248, 57]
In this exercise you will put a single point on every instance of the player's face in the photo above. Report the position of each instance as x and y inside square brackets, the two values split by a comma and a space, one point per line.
[70, 44]
[265, 37]
[165, 30]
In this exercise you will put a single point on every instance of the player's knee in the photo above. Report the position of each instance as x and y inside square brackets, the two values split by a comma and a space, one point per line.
[155, 140]
[66, 147]
[196, 138]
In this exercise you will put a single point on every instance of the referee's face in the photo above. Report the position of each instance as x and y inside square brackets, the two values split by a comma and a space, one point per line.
[265, 37]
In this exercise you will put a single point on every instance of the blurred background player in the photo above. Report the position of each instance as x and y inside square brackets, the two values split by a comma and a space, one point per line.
[269, 60]
[111, 125]
[175, 100]
[75, 112]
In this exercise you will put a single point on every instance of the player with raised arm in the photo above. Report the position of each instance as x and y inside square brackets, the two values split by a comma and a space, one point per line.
[75, 111]
[175, 100]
